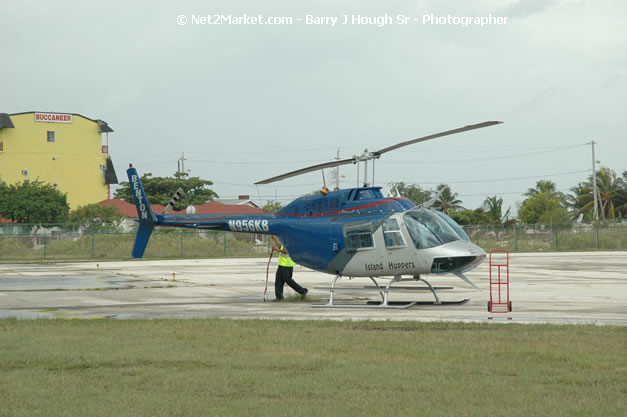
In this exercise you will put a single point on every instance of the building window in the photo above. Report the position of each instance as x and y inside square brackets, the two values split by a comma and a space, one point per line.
[51, 136]
[1, 146]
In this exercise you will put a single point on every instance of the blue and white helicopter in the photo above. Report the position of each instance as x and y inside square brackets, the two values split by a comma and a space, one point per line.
[355, 232]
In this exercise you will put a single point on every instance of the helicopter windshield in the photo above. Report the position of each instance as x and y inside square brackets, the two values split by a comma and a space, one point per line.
[427, 230]
[457, 228]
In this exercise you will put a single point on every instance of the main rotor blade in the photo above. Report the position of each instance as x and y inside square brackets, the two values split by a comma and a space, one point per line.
[437, 135]
[376, 154]
[308, 169]
[432, 200]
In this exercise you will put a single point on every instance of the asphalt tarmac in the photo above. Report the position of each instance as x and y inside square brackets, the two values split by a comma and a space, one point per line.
[587, 287]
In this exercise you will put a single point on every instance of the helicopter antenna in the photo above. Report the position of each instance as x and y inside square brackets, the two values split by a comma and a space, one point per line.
[366, 156]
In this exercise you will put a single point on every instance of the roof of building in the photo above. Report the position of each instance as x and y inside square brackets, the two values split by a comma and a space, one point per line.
[237, 202]
[217, 207]
[5, 121]
[128, 209]
[211, 207]
[103, 127]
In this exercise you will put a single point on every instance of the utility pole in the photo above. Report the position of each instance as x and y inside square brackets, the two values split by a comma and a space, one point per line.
[594, 184]
[181, 163]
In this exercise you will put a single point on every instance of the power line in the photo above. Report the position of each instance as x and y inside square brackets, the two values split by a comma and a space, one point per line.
[290, 197]
[314, 184]
[505, 179]
[438, 182]
[505, 193]
[253, 162]
[274, 152]
[488, 158]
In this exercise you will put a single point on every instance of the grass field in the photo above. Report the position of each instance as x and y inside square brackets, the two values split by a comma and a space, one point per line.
[309, 368]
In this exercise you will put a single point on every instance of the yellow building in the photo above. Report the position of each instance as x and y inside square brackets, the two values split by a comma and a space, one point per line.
[67, 150]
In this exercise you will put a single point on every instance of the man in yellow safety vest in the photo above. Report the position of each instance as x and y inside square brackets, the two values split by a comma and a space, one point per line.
[284, 272]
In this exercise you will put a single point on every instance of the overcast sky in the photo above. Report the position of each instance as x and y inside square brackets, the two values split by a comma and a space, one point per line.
[248, 102]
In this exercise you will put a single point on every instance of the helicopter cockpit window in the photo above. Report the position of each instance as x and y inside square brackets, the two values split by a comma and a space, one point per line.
[427, 230]
[392, 234]
[420, 235]
[358, 236]
[368, 194]
[457, 228]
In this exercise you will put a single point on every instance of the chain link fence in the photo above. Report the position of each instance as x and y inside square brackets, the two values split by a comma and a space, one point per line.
[19, 242]
[546, 238]
[59, 243]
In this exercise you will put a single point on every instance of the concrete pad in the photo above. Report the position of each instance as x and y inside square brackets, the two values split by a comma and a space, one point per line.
[587, 287]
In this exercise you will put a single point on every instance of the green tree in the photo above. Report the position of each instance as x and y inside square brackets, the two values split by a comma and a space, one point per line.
[543, 186]
[33, 202]
[622, 202]
[494, 210]
[547, 186]
[558, 215]
[541, 208]
[412, 192]
[93, 217]
[446, 199]
[161, 189]
[466, 216]
[611, 190]
[272, 206]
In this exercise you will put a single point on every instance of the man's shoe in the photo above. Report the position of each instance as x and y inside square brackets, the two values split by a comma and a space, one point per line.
[304, 294]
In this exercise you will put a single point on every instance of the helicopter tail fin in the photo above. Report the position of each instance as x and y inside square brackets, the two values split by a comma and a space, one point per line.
[145, 216]
[141, 239]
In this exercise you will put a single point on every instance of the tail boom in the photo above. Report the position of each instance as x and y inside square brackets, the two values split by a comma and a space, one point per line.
[145, 216]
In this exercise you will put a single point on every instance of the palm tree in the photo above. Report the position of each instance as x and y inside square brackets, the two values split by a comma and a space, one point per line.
[611, 191]
[494, 208]
[580, 200]
[622, 199]
[446, 199]
[549, 187]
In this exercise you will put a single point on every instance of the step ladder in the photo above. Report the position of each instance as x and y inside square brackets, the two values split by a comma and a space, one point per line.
[499, 282]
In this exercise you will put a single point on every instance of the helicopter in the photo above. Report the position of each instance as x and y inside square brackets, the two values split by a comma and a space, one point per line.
[353, 232]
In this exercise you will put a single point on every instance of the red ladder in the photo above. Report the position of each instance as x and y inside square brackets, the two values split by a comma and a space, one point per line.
[499, 286]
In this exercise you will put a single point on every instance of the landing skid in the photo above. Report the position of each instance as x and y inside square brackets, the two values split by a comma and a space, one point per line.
[384, 293]
[406, 304]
